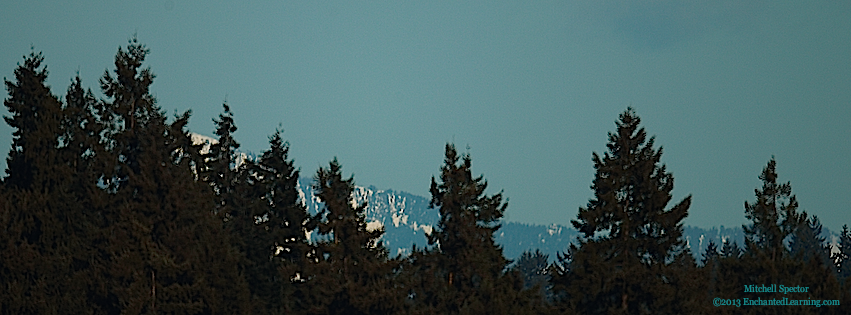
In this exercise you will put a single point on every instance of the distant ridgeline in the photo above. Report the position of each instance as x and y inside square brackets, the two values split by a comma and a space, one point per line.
[407, 218]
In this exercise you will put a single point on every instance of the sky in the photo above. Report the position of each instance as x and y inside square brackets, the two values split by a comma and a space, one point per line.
[528, 88]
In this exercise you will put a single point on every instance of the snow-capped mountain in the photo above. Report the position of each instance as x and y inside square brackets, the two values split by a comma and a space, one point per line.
[407, 218]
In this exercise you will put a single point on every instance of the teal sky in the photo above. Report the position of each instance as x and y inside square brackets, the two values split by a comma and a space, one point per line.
[531, 87]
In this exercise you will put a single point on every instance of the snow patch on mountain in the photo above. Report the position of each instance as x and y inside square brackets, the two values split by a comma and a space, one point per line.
[399, 218]
[373, 225]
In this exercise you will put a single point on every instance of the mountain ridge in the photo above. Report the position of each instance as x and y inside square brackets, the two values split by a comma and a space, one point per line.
[407, 218]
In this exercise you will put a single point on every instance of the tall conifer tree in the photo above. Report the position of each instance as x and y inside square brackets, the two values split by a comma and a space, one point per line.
[808, 243]
[80, 130]
[768, 259]
[167, 252]
[36, 118]
[270, 224]
[352, 275]
[286, 216]
[631, 243]
[220, 169]
[774, 216]
[465, 271]
[44, 262]
[842, 257]
[285, 220]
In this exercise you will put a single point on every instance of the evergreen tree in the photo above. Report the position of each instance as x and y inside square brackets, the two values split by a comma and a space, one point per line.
[710, 271]
[773, 221]
[534, 268]
[166, 251]
[219, 168]
[80, 130]
[711, 255]
[85, 161]
[36, 117]
[721, 276]
[351, 274]
[625, 261]
[286, 218]
[842, 257]
[808, 243]
[274, 242]
[465, 271]
[286, 214]
[240, 202]
[683, 281]
[731, 249]
[45, 251]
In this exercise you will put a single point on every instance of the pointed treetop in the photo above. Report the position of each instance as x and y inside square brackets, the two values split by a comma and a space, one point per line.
[773, 215]
[631, 187]
[35, 114]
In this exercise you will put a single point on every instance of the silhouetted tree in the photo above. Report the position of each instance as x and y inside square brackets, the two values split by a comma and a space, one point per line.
[772, 219]
[219, 165]
[350, 274]
[167, 252]
[632, 247]
[44, 263]
[36, 116]
[534, 268]
[465, 270]
[808, 243]
[277, 244]
[711, 255]
[842, 257]
[81, 132]
[767, 260]
[731, 249]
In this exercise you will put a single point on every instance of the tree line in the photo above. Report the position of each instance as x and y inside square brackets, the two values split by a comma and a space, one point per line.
[109, 207]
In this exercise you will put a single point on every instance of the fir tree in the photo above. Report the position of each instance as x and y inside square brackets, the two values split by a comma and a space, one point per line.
[465, 271]
[534, 268]
[36, 118]
[775, 220]
[843, 257]
[808, 243]
[240, 203]
[711, 255]
[286, 215]
[166, 251]
[710, 271]
[274, 239]
[80, 130]
[624, 262]
[468, 219]
[731, 276]
[772, 220]
[731, 249]
[220, 169]
[45, 261]
[351, 274]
